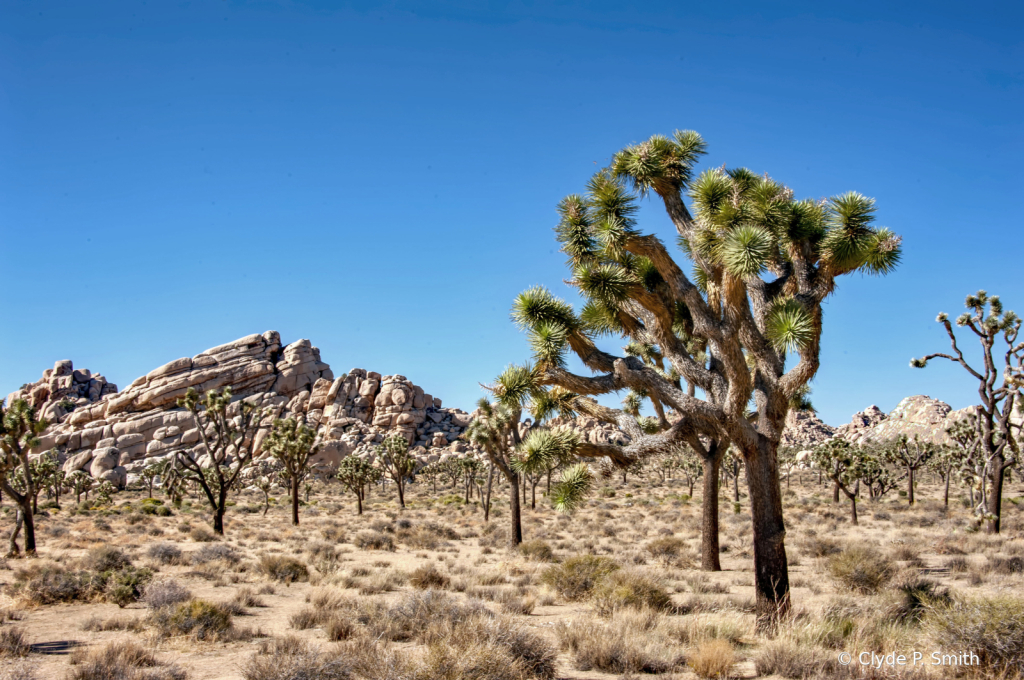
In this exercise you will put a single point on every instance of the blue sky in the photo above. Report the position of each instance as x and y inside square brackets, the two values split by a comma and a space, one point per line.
[382, 178]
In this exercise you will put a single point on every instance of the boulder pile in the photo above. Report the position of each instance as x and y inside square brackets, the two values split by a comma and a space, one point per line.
[111, 434]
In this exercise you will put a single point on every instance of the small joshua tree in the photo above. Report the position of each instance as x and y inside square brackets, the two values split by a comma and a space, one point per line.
[398, 463]
[911, 455]
[227, 434]
[431, 472]
[292, 443]
[875, 474]
[19, 432]
[843, 463]
[999, 383]
[264, 485]
[356, 474]
[81, 484]
[151, 473]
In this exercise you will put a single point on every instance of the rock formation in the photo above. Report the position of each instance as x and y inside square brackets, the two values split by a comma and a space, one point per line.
[112, 434]
[919, 416]
[804, 429]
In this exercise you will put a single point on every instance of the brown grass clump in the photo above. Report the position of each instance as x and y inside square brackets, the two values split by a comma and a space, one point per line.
[293, 659]
[992, 628]
[283, 568]
[860, 569]
[668, 549]
[713, 659]
[575, 578]
[374, 540]
[427, 576]
[121, 660]
[790, 659]
[199, 618]
[631, 588]
[537, 550]
[12, 643]
[485, 647]
[629, 643]
[165, 593]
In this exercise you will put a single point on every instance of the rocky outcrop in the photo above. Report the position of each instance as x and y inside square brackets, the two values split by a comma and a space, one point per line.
[917, 416]
[805, 430]
[111, 434]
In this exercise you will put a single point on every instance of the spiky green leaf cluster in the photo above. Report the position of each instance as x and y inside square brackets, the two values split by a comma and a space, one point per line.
[545, 449]
[789, 326]
[572, 489]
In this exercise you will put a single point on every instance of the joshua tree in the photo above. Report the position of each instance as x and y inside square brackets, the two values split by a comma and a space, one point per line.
[292, 443]
[398, 463]
[999, 384]
[452, 470]
[971, 469]
[151, 473]
[356, 474]
[763, 263]
[19, 432]
[843, 463]
[492, 430]
[264, 485]
[909, 455]
[431, 472]
[879, 479]
[81, 483]
[46, 470]
[470, 469]
[227, 434]
[542, 450]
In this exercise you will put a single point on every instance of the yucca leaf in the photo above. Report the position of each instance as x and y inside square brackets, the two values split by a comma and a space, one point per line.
[789, 326]
[537, 305]
[572, 489]
[746, 250]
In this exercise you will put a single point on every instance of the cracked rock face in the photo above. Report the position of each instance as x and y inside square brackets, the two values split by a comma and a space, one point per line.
[111, 434]
[919, 416]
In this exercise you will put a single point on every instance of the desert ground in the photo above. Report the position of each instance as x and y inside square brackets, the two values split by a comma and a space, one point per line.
[432, 591]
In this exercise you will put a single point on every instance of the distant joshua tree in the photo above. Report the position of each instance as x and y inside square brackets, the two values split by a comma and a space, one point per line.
[227, 432]
[19, 432]
[292, 443]
[356, 474]
[1000, 378]
[843, 463]
[743, 328]
[397, 462]
[911, 455]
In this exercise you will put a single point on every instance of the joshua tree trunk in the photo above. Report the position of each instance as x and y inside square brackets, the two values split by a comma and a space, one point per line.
[218, 521]
[853, 508]
[771, 568]
[709, 546]
[835, 492]
[910, 486]
[295, 500]
[995, 496]
[19, 514]
[487, 498]
[515, 536]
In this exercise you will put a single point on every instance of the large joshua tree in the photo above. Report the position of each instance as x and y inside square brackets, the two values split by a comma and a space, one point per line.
[19, 432]
[1000, 378]
[738, 337]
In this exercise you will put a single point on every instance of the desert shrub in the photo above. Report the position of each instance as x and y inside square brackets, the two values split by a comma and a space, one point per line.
[1007, 565]
[957, 565]
[51, 584]
[202, 535]
[106, 558]
[623, 645]
[308, 664]
[915, 597]
[374, 540]
[861, 569]
[122, 660]
[165, 593]
[484, 647]
[283, 568]
[247, 597]
[12, 643]
[699, 628]
[790, 659]
[712, 659]
[165, 553]
[339, 627]
[575, 578]
[537, 550]
[820, 547]
[96, 624]
[512, 603]
[122, 586]
[629, 589]
[199, 618]
[668, 549]
[305, 619]
[992, 628]
[213, 552]
[412, 616]
[427, 576]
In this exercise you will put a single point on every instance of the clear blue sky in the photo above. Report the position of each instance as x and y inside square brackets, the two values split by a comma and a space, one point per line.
[382, 179]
